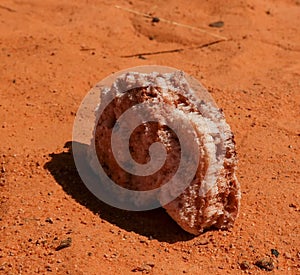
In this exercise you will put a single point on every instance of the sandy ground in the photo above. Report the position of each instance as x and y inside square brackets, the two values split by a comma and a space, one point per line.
[52, 52]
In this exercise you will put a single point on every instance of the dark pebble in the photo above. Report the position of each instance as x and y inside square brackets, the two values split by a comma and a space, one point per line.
[275, 252]
[217, 24]
[155, 19]
[64, 244]
[265, 264]
[49, 220]
[244, 265]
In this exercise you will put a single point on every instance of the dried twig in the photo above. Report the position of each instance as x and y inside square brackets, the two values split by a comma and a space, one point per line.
[173, 50]
[172, 22]
[7, 8]
[87, 49]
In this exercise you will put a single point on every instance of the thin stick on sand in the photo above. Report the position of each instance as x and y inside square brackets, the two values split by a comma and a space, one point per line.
[7, 8]
[173, 50]
[172, 22]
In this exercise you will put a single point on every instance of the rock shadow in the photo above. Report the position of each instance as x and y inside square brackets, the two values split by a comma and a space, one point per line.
[156, 224]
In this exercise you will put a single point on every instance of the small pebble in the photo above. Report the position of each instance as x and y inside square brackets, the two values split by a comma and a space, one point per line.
[64, 244]
[265, 264]
[287, 255]
[145, 268]
[201, 242]
[275, 252]
[217, 24]
[244, 265]
[49, 220]
[155, 19]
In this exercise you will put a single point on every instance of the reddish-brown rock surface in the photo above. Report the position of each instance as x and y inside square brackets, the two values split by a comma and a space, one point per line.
[199, 168]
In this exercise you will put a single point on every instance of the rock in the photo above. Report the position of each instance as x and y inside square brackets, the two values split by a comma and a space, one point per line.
[245, 265]
[145, 268]
[64, 244]
[217, 24]
[210, 197]
[275, 252]
[287, 255]
[155, 19]
[201, 242]
[49, 220]
[265, 264]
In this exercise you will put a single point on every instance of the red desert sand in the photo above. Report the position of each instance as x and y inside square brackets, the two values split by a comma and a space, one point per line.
[53, 52]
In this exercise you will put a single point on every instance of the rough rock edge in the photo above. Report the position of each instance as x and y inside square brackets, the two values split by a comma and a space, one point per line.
[219, 207]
